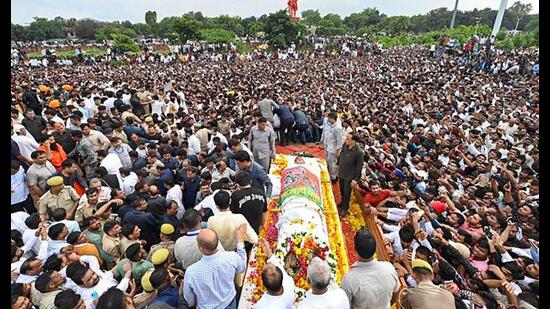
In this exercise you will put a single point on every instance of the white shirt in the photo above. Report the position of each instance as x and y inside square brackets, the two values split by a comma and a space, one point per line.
[89, 295]
[175, 194]
[129, 182]
[194, 145]
[71, 225]
[444, 159]
[29, 237]
[157, 107]
[126, 99]
[221, 136]
[55, 246]
[109, 103]
[208, 202]
[236, 132]
[26, 145]
[332, 299]
[18, 221]
[112, 163]
[19, 189]
[283, 301]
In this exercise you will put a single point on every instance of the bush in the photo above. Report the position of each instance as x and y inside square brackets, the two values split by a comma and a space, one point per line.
[124, 43]
[217, 35]
[501, 35]
[330, 31]
[243, 48]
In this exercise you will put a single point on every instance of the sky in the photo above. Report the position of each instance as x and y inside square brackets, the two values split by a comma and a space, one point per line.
[23, 11]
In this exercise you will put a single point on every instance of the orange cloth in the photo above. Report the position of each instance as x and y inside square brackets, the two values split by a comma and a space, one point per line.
[374, 200]
[43, 88]
[89, 249]
[78, 188]
[68, 87]
[54, 104]
[58, 156]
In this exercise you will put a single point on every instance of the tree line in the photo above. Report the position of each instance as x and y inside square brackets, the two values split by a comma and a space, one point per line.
[276, 27]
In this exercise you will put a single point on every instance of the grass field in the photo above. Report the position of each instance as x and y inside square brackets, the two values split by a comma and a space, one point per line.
[95, 52]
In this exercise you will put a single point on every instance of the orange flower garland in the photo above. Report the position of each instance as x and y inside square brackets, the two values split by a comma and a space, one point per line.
[303, 246]
[336, 239]
[268, 232]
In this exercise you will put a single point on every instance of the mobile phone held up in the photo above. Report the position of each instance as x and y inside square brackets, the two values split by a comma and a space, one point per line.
[488, 232]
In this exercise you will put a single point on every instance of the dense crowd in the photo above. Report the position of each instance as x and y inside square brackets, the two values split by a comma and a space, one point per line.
[145, 185]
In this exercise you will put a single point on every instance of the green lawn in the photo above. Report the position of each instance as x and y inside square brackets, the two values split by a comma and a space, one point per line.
[96, 52]
[70, 53]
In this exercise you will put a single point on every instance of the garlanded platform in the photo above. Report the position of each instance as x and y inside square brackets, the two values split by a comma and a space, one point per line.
[306, 239]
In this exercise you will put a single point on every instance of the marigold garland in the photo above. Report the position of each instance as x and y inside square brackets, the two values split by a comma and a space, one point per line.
[302, 245]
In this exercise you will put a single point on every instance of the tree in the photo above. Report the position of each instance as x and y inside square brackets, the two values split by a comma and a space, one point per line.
[43, 29]
[281, 31]
[332, 20]
[124, 43]
[142, 29]
[230, 23]
[217, 35]
[20, 33]
[517, 11]
[398, 24]
[365, 31]
[311, 17]
[254, 28]
[533, 24]
[188, 29]
[166, 27]
[151, 18]
[86, 28]
[330, 31]
[194, 15]
[129, 32]
[368, 17]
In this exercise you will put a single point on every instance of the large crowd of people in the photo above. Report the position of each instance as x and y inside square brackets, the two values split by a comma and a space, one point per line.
[145, 185]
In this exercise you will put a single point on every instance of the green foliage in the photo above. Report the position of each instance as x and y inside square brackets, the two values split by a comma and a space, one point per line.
[39, 30]
[227, 22]
[501, 35]
[369, 21]
[331, 20]
[281, 32]
[533, 24]
[86, 28]
[165, 28]
[217, 35]
[330, 31]
[254, 28]
[369, 17]
[142, 29]
[461, 33]
[174, 38]
[151, 18]
[109, 32]
[124, 43]
[311, 17]
[506, 44]
[369, 30]
[188, 29]
[243, 48]
[397, 24]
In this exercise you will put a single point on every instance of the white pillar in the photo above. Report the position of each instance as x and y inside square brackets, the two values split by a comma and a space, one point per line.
[498, 20]
[454, 15]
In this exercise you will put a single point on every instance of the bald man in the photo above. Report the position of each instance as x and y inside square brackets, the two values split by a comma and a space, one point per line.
[209, 283]
[279, 285]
